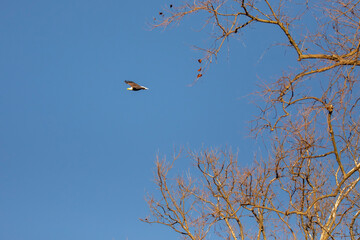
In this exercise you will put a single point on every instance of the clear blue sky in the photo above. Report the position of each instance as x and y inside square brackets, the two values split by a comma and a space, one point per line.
[77, 149]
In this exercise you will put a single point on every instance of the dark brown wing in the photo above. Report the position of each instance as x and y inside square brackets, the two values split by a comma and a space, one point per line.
[132, 84]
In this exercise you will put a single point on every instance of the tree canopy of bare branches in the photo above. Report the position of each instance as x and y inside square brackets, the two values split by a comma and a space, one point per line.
[307, 185]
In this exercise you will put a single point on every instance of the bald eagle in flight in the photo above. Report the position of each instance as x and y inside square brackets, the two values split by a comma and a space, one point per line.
[135, 86]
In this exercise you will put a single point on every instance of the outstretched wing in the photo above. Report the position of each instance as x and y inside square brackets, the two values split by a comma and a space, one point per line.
[132, 84]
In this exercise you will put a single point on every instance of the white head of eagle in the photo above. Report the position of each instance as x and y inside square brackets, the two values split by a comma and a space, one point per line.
[135, 86]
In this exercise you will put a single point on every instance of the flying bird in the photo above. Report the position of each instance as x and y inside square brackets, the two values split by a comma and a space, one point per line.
[135, 86]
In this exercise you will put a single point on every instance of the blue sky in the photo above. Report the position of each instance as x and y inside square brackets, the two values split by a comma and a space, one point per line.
[77, 150]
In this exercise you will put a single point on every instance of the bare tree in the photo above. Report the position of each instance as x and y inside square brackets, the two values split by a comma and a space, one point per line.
[307, 186]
